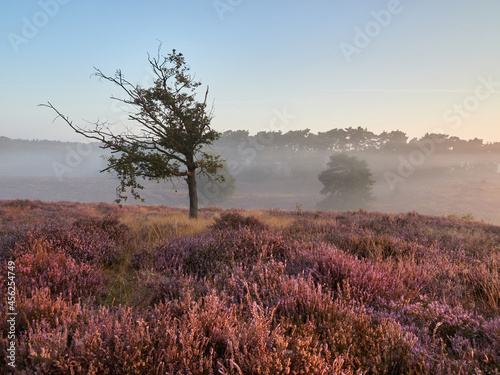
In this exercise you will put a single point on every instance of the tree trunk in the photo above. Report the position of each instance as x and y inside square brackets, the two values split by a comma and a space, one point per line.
[193, 194]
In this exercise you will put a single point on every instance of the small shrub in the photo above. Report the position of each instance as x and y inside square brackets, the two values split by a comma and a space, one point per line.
[40, 266]
[466, 217]
[109, 225]
[92, 241]
[155, 288]
[235, 221]
[212, 252]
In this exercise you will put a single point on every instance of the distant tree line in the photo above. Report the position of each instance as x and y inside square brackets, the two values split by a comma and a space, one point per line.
[354, 139]
[336, 140]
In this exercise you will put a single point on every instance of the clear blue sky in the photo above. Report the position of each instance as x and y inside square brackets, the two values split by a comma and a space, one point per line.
[420, 66]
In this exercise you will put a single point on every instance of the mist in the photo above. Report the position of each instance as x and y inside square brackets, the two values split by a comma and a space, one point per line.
[435, 174]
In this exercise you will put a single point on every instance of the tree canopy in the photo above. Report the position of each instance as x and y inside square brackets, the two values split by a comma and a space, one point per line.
[172, 129]
[347, 183]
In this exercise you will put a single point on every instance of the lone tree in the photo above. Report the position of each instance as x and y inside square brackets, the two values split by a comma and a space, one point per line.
[347, 183]
[172, 130]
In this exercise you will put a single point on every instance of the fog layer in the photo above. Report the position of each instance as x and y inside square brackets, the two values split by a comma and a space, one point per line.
[436, 174]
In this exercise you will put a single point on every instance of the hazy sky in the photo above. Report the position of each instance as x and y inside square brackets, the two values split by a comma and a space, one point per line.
[418, 66]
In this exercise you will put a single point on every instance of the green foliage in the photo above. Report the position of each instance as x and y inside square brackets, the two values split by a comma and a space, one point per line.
[466, 217]
[347, 183]
[175, 127]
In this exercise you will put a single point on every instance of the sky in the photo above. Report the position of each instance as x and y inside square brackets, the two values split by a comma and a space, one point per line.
[418, 66]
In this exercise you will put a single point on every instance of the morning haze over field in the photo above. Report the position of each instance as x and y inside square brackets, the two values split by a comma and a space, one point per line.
[385, 66]
[317, 185]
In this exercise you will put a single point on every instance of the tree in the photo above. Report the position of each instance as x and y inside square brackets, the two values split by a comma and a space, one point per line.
[334, 139]
[393, 142]
[172, 129]
[359, 139]
[347, 183]
[234, 136]
[295, 140]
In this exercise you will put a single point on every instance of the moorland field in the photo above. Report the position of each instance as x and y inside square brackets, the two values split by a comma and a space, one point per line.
[279, 171]
[108, 289]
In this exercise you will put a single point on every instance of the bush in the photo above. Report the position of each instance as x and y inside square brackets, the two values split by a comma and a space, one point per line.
[235, 221]
[347, 183]
[108, 225]
[40, 265]
[94, 241]
[212, 252]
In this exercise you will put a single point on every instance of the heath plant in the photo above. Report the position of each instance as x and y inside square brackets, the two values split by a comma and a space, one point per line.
[144, 290]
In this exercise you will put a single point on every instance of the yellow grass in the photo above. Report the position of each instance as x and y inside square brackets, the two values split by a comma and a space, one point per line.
[167, 226]
[274, 222]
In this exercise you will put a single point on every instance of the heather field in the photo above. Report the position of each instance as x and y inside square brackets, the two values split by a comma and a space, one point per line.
[104, 289]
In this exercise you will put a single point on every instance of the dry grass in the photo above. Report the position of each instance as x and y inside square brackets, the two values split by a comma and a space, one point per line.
[153, 228]
[150, 229]
[274, 222]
